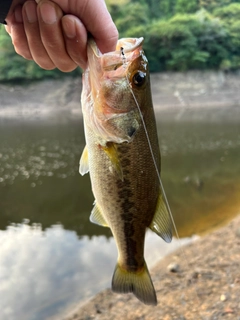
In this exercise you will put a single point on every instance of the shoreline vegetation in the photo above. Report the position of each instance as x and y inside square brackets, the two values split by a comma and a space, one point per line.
[203, 282]
[179, 35]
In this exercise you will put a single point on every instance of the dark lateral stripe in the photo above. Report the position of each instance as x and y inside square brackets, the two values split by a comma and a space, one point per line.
[132, 263]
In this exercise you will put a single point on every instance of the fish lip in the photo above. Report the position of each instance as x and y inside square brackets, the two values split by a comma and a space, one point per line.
[134, 46]
[116, 62]
[93, 46]
[120, 44]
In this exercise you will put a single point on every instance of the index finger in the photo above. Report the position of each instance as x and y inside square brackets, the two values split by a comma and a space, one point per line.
[100, 25]
[96, 18]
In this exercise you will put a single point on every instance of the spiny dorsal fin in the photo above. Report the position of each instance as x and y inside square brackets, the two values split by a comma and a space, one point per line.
[83, 164]
[97, 216]
[112, 154]
[139, 283]
[161, 223]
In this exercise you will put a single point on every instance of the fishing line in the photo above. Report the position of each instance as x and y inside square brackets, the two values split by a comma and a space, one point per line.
[155, 165]
[124, 60]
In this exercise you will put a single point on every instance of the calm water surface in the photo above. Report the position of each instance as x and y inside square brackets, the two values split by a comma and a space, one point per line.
[51, 256]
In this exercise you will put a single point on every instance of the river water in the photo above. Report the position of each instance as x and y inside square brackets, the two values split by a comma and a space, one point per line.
[51, 256]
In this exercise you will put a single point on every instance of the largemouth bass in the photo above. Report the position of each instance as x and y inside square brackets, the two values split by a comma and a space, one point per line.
[116, 100]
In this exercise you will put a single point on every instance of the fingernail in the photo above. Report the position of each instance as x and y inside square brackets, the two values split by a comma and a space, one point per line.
[18, 14]
[48, 13]
[31, 12]
[69, 28]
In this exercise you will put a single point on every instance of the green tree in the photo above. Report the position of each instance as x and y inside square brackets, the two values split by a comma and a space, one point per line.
[228, 13]
[160, 8]
[212, 38]
[210, 5]
[186, 6]
[229, 16]
[185, 42]
[166, 8]
[174, 44]
[13, 66]
[132, 15]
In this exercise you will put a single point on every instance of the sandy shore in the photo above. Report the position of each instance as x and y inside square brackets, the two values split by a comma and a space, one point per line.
[205, 284]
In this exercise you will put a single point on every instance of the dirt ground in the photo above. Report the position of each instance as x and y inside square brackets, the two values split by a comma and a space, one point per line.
[205, 284]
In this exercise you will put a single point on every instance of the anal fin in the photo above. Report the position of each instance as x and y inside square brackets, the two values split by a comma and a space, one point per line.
[97, 216]
[161, 223]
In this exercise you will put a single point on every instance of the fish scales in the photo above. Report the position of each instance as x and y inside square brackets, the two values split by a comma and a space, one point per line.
[126, 202]
[123, 174]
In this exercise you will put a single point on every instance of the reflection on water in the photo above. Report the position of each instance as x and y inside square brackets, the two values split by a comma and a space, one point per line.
[200, 172]
[39, 170]
[57, 257]
[42, 274]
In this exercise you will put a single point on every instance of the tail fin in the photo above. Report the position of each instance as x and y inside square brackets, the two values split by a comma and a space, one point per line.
[139, 283]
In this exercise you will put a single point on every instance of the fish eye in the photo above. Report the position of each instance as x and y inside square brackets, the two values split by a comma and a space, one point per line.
[139, 78]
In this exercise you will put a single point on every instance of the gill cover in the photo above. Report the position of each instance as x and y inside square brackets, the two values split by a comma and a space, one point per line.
[108, 105]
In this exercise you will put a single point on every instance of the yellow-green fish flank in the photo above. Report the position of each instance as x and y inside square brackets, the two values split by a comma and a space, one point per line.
[124, 180]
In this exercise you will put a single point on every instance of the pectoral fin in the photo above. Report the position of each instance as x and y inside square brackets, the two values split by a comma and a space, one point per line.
[162, 223]
[97, 216]
[83, 164]
[112, 154]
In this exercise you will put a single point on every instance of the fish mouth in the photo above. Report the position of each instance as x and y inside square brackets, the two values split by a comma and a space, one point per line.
[128, 44]
[127, 49]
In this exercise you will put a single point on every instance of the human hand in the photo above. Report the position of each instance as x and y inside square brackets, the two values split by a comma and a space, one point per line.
[41, 32]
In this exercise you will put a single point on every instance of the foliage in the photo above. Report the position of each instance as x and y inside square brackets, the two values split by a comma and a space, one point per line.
[186, 37]
[186, 6]
[230, 17]
[179, 35]
[211, 5]
[185, 42]
[132, 15]
[166, 8]
[14, 67]
[229, 13]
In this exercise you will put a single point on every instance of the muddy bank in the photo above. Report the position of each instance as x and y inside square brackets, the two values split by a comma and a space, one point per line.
[180, 93]
[206, 284]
